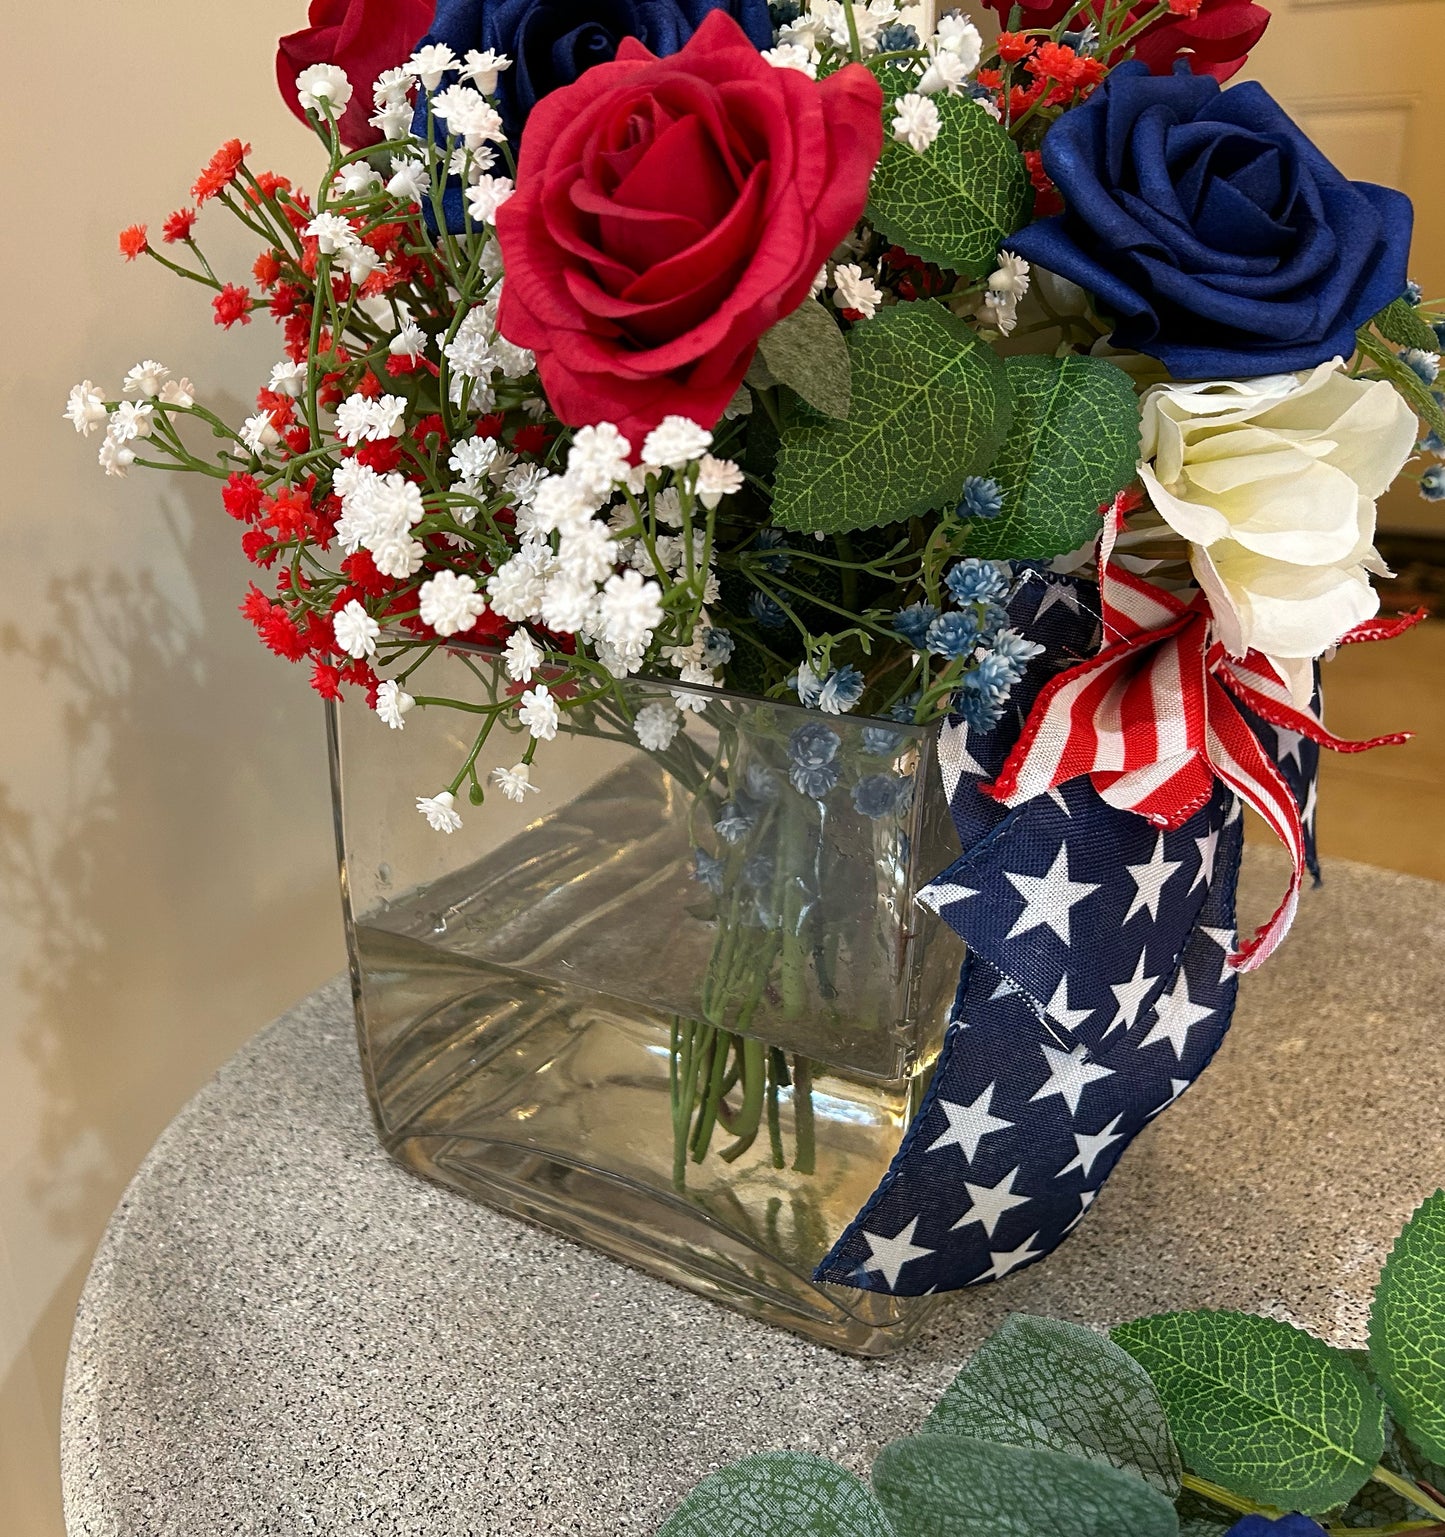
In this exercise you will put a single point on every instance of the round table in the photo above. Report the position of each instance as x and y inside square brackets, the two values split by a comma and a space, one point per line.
[285, 1333]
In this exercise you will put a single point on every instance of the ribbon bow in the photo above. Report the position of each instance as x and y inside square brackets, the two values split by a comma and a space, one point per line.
[1152, 719]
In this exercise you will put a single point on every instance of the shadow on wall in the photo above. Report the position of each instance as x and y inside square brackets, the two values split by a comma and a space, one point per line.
[133, 881]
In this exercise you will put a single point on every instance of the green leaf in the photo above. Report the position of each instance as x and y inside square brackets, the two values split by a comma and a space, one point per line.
[930, 407]
[1399, 323]
[948, 1486]
[1073, 445]
[1378, 1505]
[779, 1494]
[1407, 1329]
[1264, 1409]
[955, 203]
[1416, 392]
[1041, 1382]
[808, 352]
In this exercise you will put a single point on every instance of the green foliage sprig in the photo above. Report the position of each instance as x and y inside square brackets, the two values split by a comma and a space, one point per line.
[1173, 1424]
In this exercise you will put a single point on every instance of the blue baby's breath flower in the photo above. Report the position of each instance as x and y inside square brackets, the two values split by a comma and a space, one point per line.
[1014, 649]
[842, 689]
[1083, 42]
[758, 871]
[766, 611]
[903, 710]
[807, 685]
[717, 648]
[912, 622]
[976, 581]
[982, 498]
[761, 784]
[1433, 443]
[773, 539]
[1413, 294]
[1432, 483]
[708, 870]
[811, 751]
[733, 823]
[1426, 365]
[953, 634]
[881, 741]
[897, 37]
[879, 795]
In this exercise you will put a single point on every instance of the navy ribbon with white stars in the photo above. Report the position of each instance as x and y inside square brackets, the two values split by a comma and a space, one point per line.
[1095, 991]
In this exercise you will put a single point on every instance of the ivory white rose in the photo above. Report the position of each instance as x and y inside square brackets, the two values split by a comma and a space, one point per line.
[1273, 482]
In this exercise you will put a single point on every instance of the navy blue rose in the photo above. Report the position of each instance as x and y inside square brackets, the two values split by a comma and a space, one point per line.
[1211, 230]
[551, 42]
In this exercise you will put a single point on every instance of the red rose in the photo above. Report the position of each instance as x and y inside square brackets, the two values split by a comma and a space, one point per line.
[366, 38]
[668, 212]
[1215, 40]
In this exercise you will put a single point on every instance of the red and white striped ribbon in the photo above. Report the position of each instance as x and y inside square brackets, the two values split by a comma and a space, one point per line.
[1152, 719]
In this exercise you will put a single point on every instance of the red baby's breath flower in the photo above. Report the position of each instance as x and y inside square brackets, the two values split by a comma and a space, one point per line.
[220, 170]
[290, 514]
[1015, 46]
[361, 568]
[178, 226]
[1185, 7]
[368, 384]
[382, 455]
[133, 242]
[242, 497]
[280, 634]
[268, 184]
[284, 300]
[297, 438]
[231, 305]
[531, 439]
[266, 269]
[256, 606]
[490, 426]
[326, 680]
[259, 547]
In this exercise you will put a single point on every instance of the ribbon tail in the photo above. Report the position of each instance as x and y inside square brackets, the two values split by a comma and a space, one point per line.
[1381, 628]
[1303, 722]
[1242, 763]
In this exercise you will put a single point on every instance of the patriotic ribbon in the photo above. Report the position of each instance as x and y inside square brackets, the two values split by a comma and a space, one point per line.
[1153, 720]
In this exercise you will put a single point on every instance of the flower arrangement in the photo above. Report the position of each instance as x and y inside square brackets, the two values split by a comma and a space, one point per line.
[777, 349]
[1214, 1424]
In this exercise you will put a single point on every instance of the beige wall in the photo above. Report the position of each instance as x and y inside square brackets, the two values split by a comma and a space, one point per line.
[166, 883]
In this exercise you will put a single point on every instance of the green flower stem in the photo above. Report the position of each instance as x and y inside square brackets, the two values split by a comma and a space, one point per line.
[1219, 1495]
[1408, 1491]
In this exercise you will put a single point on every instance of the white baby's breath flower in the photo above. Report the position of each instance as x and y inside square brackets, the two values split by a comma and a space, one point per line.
[674, 443]
[332, 233]
[356, 180]
[598, 458]
[588, 553]
[429, 64]
[946, 71]
[130, 420]
[538, 713]
[629, 609]
[1011, 276]
[440, 811]
[854, 291]
[320, 83]
[409, 342]
[410, 181]
[471, 459]
[482, 66]
[85, 409]
[487, 196]
[116, 458]
[515, 589]
[915, 121]
[259, 433]
[396, 556]
[514, 782]
[1273, 482]
[392, 121]
[656, 726]
[392, 88]
[178, 392]
[521, 656]
[717, 478]
[146, 379]
[355, 630]
[793, 56]
[958, 35]
[450, 602]
[392, 703]
[288, 378]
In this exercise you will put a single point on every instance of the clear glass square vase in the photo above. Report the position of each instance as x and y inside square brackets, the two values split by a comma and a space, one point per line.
[681, 1003]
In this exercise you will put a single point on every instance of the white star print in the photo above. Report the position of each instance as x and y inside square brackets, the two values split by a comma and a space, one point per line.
[1175, 1015]
[990, 1202]
[1058, 1010]
[1131, 995]
[941, 894]
[1288, 746]
[1090, 1145]
[954, 758]
[1070, 1073]
[1056, 795]
[1208, 848]
[1312, 795]
[1224, 938]
[1010, 1259]
[890, 1255]
[1048, 898]
[1006, 988]
[968, 1125]
[1056, 592]
[1176, 1087]
[1086, 1198]
[1150, 880]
